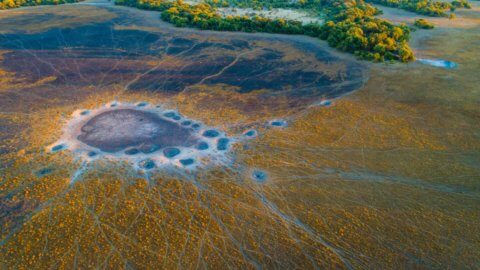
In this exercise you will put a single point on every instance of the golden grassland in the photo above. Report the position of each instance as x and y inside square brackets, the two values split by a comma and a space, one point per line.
[387, 177]
[350, 172]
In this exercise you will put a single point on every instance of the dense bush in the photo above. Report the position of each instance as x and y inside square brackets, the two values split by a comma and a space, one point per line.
[425, 7]
[351, 26]
[355, 29]
[7, 4]
[461, 4]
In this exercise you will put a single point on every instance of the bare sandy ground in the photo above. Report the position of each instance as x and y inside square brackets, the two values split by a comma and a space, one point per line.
[276, 13]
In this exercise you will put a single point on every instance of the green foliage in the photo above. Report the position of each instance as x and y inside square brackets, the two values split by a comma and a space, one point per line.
[148, 5]
[355, 29]
[257, 4]
[351, 26]
[424, 7]
[203, 16]
[461, 4]
[423, 24]
[7, 4]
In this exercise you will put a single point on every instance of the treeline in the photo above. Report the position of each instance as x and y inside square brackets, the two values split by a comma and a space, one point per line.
[7, 4]
[425, 7]
[255, 4]
[203, 16]
[351, 26]
[461, 4]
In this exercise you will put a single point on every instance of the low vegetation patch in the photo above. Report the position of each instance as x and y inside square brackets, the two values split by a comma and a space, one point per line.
[423, 24]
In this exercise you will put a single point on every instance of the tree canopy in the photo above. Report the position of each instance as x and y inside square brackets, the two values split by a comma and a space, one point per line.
[351, 26]
[7, 4]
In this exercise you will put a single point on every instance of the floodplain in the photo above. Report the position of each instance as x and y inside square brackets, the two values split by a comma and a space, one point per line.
[314, 159]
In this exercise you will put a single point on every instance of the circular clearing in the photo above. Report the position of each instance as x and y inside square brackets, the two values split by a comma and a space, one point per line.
[116, 130]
